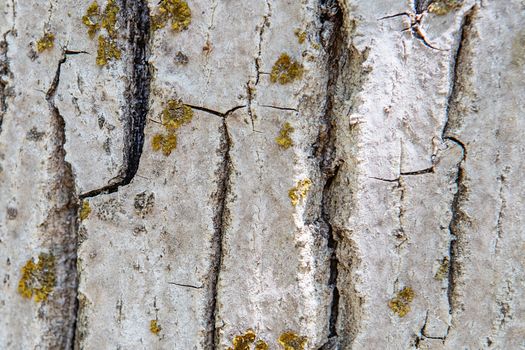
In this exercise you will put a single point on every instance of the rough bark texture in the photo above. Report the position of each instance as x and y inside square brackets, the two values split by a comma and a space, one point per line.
[269, 174]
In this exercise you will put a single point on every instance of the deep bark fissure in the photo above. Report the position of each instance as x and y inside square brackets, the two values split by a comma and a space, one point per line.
[458, 216]
[137, 19]
[4, 76]
[63, 219]
[331, 19]
[220, 221]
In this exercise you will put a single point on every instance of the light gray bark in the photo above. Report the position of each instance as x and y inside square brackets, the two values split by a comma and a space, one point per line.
[394, 219]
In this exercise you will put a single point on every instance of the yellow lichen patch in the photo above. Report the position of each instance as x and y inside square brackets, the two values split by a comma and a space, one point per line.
[45, 42]
[518, 49]
[261, 345]
[85, 210]
[301, 35]
[400, 304]
[167, 143]
[107, 50]
[442, 272]
[176, 114]
[38, 279]
[173, 116]
[299, 192]
[154, 327]
[243, 342]
[176, 11]
[292, 341]
[442, 7]
[284, 139]
[95, 21]
[286, 70]
[92, 19]
[109, 19]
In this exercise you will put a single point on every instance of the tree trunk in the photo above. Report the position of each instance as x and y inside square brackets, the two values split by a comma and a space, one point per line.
[275, 174]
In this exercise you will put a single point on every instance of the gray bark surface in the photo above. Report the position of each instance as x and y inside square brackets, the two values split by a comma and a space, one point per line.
[276, 174]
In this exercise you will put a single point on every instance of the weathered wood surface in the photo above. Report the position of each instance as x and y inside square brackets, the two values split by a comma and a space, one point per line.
[312, 174]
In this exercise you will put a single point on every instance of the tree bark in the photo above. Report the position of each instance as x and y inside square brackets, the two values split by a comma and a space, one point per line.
[277, 174]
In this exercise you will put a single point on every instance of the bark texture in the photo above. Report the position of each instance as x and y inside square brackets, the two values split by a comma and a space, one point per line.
[262, 174]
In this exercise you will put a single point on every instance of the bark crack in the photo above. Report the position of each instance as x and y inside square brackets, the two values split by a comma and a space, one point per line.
[459, 217]
[220, 220]
[5, 76]
[137, 96]
[63, 220]
[251, 85]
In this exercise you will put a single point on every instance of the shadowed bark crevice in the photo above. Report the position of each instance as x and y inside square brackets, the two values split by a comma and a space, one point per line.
[453, 120]
[221, 219]
[137, 21]
[61, 226]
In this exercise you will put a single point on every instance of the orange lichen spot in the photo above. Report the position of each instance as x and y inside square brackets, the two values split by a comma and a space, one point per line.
[175, 11]
[45, 42]
[299, 192]
[301, 35]
[284, 139]
[400, 304]
[286, 70]
[243, 342]
[85, 210]
[38, 278]
[442, 7]
[154, 327]
[292, 341]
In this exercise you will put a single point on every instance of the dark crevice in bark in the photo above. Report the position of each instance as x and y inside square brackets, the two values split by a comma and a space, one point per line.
[220, 221]
[137, 20]
[331, 19]
[214, 112]
[280, 108]
[251, 85]
[5, 75]
[458, 216]
[61, 224]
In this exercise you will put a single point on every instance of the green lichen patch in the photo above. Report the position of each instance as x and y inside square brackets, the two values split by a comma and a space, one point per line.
[175, 11]
[96, 21]
[301, 35]
[46, 42]
[442, 7]
[85, 210]
[154, 327]
[299, 191]
[284, 139]
[173, 116]
[38, 278]
[442, 272]
[285, 70]
[400, 304]
[292, 341]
